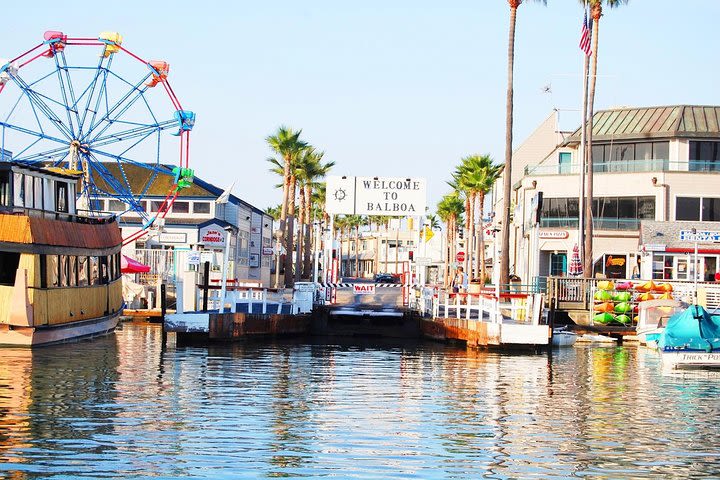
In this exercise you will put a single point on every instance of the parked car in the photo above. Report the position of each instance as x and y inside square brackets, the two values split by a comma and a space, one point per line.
[386, 278]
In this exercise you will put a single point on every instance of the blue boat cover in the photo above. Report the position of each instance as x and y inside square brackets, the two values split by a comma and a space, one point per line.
[692, 329]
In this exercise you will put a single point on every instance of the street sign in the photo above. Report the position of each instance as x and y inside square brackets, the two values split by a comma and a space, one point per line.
[460, 256]
[423, 261]
[395, 196]
[364, 288]
[700, 236]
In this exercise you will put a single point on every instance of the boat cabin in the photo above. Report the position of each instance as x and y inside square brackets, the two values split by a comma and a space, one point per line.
[36, 189]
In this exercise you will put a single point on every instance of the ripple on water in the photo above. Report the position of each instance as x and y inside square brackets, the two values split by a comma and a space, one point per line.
[121, 407]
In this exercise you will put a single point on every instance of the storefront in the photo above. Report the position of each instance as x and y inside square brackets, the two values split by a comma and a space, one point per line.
[688, 247]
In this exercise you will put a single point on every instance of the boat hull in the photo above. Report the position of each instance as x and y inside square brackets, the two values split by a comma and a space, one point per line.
[684, 359]
[564, 339]
[37, 336]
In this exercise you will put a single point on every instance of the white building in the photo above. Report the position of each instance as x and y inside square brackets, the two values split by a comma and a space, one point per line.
[196, 223]
[656, 164]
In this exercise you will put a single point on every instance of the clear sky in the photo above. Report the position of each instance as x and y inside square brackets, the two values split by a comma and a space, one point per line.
[386, 87]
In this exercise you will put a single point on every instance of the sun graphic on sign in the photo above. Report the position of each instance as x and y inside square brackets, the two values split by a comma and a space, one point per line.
[340, 194]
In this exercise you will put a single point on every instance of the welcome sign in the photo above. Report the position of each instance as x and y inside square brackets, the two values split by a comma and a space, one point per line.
[394, 196]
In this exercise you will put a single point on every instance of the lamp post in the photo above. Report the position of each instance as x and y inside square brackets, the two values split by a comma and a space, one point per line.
[278, 234]
[223, 283]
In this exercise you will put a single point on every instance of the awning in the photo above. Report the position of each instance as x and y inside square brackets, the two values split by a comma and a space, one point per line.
[129, 265]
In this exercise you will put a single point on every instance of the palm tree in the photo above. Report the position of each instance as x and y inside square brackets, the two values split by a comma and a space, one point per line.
[507, 174]
[341, 223]
[595, 13]
[274, 212]
[310, 170]
[450, 210]
[461, 189]
[354, 222]
[478, 174]
[287, 144]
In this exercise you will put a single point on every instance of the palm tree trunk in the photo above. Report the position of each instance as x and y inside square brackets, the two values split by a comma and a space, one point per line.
[284, 207]
[481, 239]
[301, 236]
[309, 234]
[507, 173]
[468, 239]
[357, 250]
[588, 267]
[290, 232]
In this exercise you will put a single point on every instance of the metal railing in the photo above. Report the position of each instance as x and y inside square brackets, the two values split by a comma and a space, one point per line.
[627, 166]
[601, 223]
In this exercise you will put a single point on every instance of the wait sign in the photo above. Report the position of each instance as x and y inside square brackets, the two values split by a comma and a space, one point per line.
[364, 288]
[395, 196]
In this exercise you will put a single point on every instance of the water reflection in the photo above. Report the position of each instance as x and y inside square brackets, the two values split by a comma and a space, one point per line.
[123, 407]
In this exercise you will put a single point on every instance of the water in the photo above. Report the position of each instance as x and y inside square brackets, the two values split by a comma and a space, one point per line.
[119, 407]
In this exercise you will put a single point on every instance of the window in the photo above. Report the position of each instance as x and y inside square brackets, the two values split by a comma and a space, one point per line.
[704, 156]
[61, 197]
[564, 162]
[94, 271]
[116, 205]
[558, 264]
[53, 272]
[610, 213]
[19, 189]
[181, 207]
[711, 209]
[29, 195]
[155, 205]
[201, 207]
[82, 271]
[38, 189]
[5, 189]
[72, 275]
[687, 208]
[64, 271]
[104, 271]
[9, 262]
[662, 267]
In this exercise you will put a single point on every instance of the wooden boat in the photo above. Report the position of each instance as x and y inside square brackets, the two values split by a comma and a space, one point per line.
[59, 272]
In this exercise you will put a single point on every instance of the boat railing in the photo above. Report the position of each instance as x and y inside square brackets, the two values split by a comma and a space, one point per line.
[63, 216]
[518, 307]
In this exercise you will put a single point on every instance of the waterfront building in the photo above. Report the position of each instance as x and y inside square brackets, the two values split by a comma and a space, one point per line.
[390, 250]
[196, 222]
[653, 167]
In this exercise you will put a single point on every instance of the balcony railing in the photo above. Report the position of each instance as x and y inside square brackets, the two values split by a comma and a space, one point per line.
[627, 166]
[598, 223]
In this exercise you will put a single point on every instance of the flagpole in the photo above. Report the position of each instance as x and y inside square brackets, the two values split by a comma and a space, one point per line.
[583, 163]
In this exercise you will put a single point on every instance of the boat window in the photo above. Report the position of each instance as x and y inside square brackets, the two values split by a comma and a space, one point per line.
[29, 196]
[72, 272]
[116, 205]
[19, 190]
[94, 277]
[53, 277]
[82, 271]
[38, 192]
[9, 262]
[111, 268]
[104, 270]
[64, 271]
[61, 197]
[5, 189]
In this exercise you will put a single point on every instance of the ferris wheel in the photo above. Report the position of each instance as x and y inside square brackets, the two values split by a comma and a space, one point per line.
[90, 106]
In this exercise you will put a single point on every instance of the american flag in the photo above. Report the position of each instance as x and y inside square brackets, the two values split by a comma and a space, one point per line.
[585, 36]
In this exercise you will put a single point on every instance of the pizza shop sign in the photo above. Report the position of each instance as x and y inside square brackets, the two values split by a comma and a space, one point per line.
[212, 236]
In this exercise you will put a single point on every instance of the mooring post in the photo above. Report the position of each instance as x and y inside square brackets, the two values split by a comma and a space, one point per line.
[205, 285]
[163, 310]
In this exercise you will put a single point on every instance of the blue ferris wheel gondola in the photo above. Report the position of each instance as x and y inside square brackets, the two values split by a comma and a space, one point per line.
[98, 117]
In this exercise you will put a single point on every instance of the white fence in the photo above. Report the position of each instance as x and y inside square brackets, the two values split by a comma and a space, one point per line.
[524, 308]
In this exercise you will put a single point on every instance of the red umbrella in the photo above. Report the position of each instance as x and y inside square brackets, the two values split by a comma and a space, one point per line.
[129, 265]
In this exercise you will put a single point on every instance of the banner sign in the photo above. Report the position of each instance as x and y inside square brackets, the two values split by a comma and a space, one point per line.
[704, 236]
[394, 196]
[212, 236]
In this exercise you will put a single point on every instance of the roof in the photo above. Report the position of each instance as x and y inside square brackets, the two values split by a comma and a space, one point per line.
[668, 234]
[138, 177]
[688, 121]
